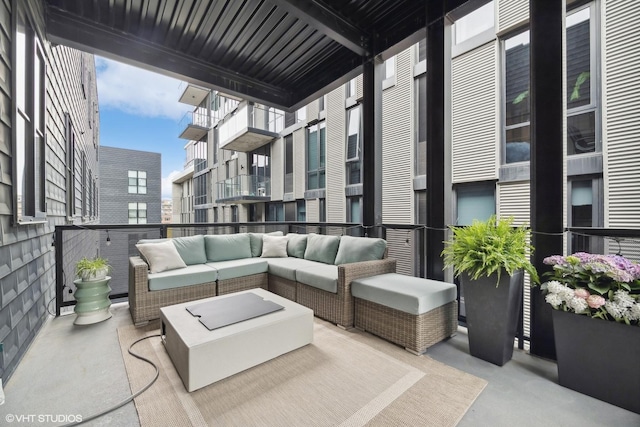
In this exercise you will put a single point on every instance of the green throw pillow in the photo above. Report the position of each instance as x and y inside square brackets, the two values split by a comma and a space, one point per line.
[224, 247]
[296, 245]
[322, 248]
[191, 249]
[357, 249]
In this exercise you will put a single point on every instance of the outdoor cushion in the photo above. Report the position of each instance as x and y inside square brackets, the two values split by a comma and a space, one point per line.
[191, 275]
[256, 241]
[161, 256]
[321, 276]
[296, 245]
[322, 248]
[274, 246]
[191, 249]
[358, 249]
[223, 247]
[239, 267]
[410, 294]
[286, 267]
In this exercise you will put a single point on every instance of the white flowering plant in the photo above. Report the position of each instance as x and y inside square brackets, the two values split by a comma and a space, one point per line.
[601, 286]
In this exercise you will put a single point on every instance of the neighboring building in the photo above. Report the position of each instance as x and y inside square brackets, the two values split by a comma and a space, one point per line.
[310, 170]
[52, 115]
[167, 211]
[130, 193]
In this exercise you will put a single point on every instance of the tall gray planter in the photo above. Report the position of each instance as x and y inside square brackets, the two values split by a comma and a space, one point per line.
[492, 315]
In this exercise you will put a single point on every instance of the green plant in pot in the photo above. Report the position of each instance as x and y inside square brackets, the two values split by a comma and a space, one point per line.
[490, 257]
[90, 269]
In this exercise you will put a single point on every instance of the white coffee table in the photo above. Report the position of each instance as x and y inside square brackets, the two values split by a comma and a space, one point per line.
[202, 357]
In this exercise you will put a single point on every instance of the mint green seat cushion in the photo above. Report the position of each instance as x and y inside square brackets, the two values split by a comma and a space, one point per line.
[286, 267]
[296, 245]
[322, 276]
[191, 249]
[358, 249]
[239, 267]
[224, 247]
[256, 241]
[187, 276]
[409, 294]
[322, 248]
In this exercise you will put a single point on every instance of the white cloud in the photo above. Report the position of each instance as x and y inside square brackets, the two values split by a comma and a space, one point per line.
[166, 184]
[137, 91]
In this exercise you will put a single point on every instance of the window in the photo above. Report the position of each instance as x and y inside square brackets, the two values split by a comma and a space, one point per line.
[421, 123]
[350, 88]
[29, 110]
[516, 89]
[137, 213]
[215, 214]
[234, 214]
[301, 210]
[70, 143]
[288, 164]
[200, 155]
[586, 206]
[474, 23]
[200, 189]
[276, 120]
[322, 210]
[582, 113]
[301, 115]
[275, 212]
[354, 159]
[84, 191]
[137, 182]
[200, 215]
[260, 171]
[353, 209]
[475, 201]
[389, 68]
[316, 156]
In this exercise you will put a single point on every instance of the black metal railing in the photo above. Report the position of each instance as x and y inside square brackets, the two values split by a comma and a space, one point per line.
[407, 243]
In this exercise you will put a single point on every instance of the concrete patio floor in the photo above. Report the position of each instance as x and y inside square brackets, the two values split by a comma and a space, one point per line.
[79, 370]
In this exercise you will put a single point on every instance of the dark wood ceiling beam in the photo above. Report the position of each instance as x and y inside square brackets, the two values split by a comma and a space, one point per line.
[328, 23]
[73, 31]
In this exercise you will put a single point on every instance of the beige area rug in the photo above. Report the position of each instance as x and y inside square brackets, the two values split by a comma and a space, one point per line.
[345, 378]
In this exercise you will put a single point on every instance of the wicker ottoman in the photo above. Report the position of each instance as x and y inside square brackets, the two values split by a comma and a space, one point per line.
[412, 312]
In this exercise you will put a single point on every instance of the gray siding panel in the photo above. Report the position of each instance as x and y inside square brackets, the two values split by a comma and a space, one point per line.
[299, 157]
[621, 53]
[397, 147]
[277, 170]
[474, 115]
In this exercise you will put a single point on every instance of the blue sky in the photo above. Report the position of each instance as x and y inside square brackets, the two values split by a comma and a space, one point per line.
[139, 110]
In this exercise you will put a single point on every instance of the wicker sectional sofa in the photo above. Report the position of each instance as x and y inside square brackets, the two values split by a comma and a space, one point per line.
[313, 270]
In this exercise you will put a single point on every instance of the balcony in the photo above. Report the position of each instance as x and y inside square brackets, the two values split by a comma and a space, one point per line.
[250, 127]
[193, 95]
[195, 124]
[89, 365]
[244, 189]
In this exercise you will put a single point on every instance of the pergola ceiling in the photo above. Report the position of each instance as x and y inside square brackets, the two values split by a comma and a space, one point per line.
[283, 53]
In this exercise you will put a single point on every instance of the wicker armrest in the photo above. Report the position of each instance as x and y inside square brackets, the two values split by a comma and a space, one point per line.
[138, 280]
[357, 270]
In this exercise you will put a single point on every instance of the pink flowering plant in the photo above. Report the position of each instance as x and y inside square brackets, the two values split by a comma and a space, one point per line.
[601, 286]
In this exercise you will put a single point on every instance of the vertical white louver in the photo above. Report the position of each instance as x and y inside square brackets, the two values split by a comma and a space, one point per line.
[335, 166]
[359, 87]
[312, 110]
[475, 114]
[299, 163]
[511, 13]
[277, 166]
[514, 200]
[312, 210]
[397, 135]
[621, 113]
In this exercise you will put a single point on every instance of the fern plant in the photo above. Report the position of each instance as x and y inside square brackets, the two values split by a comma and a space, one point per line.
[489, 247]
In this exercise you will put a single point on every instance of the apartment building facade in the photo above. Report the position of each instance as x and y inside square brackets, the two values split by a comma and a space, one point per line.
[313, 165]
[48, 163]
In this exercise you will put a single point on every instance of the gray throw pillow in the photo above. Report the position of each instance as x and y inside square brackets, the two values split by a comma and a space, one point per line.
[321, 248]
[357, 249]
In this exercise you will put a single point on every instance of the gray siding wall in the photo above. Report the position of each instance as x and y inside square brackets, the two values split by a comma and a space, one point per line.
[335, 172]
[115, 163]
[27, 268]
